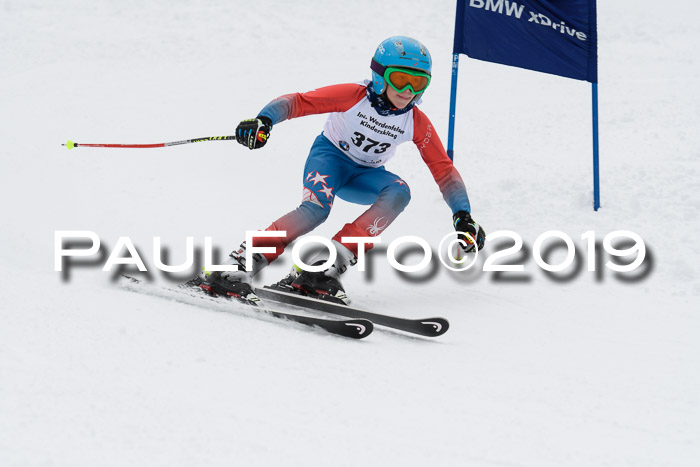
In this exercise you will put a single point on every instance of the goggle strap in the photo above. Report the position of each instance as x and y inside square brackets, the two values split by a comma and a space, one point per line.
[377, 67]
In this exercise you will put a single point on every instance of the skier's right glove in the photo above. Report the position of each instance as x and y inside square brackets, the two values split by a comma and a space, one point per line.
[464, 223]
[254, 132]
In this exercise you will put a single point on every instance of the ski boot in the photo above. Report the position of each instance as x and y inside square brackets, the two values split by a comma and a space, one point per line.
[234, 284]
[285, 284]
[325, 285]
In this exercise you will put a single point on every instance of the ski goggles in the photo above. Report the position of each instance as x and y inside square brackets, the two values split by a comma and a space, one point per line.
[401, 79]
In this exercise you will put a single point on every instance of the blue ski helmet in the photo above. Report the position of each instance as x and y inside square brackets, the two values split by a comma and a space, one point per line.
[399, 51]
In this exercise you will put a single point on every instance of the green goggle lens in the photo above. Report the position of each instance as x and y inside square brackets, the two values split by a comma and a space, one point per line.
[401, 79]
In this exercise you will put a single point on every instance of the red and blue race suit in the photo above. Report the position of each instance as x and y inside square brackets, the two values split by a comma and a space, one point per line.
[347, 161]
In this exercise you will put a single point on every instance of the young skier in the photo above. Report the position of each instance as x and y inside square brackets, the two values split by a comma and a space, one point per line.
[366, 123]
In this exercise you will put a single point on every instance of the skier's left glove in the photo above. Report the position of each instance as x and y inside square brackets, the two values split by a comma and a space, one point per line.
[254, 132]
[464, 223]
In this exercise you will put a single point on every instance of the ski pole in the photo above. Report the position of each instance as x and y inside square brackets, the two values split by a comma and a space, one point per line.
[70, 144]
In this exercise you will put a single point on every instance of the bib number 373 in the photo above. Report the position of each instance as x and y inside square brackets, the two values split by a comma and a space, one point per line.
[359, 140]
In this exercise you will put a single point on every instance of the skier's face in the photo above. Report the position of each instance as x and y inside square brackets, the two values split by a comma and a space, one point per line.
[399, 100]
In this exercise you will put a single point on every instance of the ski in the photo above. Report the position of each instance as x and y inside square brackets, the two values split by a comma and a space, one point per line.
[355, 328]
[352, 328]
[429, 327]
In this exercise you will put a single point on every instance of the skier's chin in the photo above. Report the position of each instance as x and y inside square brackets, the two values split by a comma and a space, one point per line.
[401, 102]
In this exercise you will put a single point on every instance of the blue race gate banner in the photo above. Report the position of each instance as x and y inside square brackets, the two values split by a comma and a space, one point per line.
[552, 36]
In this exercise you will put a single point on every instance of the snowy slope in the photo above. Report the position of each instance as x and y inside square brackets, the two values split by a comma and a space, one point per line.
[589, 369]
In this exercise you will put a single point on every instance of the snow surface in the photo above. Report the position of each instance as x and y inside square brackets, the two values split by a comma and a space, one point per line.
[587, 370]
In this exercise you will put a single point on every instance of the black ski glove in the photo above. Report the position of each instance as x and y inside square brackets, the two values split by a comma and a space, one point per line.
[254, 132]
[463, 222]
